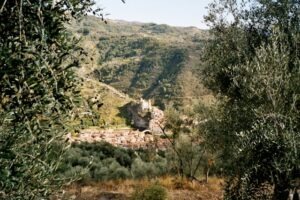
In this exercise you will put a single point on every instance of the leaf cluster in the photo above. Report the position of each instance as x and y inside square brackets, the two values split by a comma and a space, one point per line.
[253, 62]
[38, 91]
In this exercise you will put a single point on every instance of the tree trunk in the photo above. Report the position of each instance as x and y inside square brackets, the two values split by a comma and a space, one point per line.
[281, 191]
[181, 170]
[296, 195]
[207, 174]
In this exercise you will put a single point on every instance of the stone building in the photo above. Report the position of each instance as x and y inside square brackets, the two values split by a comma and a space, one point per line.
[145, 116]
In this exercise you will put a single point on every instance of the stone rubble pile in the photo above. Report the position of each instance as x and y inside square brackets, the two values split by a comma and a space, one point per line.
[157, 120]
[125, 138]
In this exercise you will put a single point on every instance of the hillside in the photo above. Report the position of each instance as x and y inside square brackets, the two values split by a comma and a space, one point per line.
[105, 103]
[156, 62]
[124, 62]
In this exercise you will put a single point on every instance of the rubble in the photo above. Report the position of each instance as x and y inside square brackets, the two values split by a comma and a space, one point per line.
[126, 138]
[146, 117]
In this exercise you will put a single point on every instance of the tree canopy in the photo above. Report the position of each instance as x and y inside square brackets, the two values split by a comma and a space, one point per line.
[37, 93]
[253, 62]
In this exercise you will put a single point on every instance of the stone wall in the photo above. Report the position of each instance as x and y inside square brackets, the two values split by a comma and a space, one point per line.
[126, 138]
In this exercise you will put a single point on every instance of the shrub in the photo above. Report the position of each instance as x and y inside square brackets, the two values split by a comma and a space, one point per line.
[153, 192]
[140, 168]
[79, 172]
[106, 162]
[123, 157]
[110, 170]
[84, 31]
[121, 173]
[100, 173]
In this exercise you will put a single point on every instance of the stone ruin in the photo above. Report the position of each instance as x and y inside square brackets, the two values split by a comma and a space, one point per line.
[126, 138]
[146, 117]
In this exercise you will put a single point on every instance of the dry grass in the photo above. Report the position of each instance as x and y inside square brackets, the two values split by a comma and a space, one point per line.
[178, 189]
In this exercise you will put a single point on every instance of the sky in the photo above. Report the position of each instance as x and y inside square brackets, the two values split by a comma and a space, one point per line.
[171, 12]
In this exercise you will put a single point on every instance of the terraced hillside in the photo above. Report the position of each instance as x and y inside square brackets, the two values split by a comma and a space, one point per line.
[156, 62]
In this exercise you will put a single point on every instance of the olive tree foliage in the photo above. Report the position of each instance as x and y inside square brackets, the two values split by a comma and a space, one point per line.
[38, 90]
[267, 152]
[253, 64]
[188, 153]
[239, 27]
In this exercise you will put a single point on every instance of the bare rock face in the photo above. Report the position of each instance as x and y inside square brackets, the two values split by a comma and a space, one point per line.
[146, 117]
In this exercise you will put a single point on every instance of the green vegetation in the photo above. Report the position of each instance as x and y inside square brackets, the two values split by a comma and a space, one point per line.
[141, 67]
[41, 100]
[103, 106]
[188, 153]
[146, 60]
[38, 90]
[152, 192]
[102, 162]
[253, 62]
[245, 84]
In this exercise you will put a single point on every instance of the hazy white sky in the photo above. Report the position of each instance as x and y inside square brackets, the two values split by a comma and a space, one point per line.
[172, 12]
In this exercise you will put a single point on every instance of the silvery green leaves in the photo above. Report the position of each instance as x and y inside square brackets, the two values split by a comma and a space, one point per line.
[254, 63]
[37, 94]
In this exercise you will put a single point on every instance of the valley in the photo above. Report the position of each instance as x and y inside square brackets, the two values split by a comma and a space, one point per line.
[104, 109]
[132, 74]
[125, 62]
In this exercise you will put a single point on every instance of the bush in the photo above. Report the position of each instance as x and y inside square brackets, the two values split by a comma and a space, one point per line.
[153, 192]
[79, 172]
[123, 157]
[141, 169]
[106, 162]
[121, 173]
[84, 31]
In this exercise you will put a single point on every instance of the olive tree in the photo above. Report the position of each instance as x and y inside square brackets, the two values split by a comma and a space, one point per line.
[253, 64]
[267, 152]
[187, 153]
[38, 90]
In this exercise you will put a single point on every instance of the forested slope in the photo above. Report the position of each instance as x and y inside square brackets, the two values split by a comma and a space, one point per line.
[152, 61]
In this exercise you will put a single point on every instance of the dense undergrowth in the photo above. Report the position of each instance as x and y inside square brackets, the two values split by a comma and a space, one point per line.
[102, 161]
